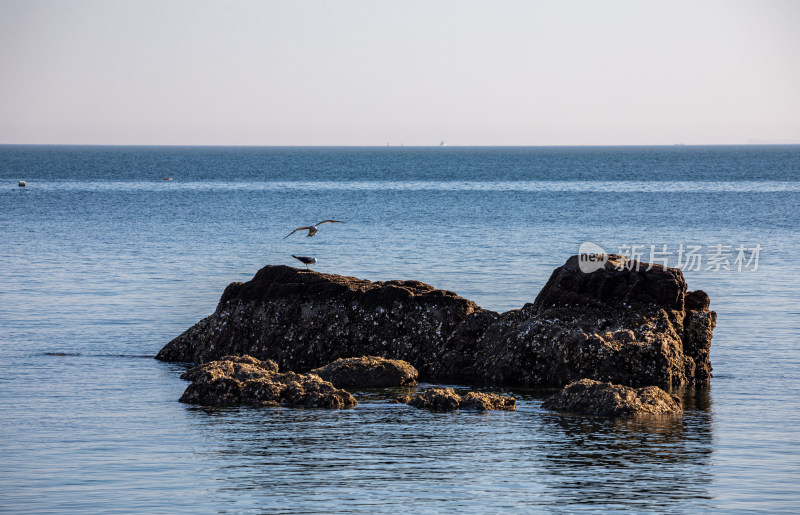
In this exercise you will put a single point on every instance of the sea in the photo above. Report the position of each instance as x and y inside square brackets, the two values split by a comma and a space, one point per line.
[107, 253]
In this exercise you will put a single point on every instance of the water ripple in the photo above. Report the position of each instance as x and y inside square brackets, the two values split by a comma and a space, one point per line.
[502, 186]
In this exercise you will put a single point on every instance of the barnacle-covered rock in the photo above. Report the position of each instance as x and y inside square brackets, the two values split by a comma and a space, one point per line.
[241, 368]
[612, 400]
[446, 399]
[482, 401]
[628, 322]
[435, 399]
[247, 381]
[303, 320]
[368, 371]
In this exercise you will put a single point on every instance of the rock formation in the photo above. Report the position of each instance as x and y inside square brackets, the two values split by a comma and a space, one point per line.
[628, 322]
[446, 399]
[247, 381]
[368, 371]
[612, 400]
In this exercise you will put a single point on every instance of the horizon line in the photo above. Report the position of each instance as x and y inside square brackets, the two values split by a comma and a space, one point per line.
[745, 144]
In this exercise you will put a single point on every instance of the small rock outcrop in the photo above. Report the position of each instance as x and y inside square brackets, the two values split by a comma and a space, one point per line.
[487, 401]
[368, 371]
[247, 381]
[627, 322]
[612, 400]
[238, 367]
[446, 399]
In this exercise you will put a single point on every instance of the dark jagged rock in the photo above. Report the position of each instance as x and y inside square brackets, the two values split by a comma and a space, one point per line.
[368, 371]
[617, 282]
[305, 319]
[625, 323]
[446, 399]
[612, 400]
[247, 381]
[628, 323]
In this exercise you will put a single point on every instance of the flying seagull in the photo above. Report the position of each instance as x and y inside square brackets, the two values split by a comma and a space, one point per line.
[312, 229]
[305, 260]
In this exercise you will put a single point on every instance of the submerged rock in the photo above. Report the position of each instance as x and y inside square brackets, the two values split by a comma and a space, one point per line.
[487, 401]
[446, 399]
[241, 368]
[434, 399]
[612, 400]
[247, 381]
[368, 371]
[628, 322]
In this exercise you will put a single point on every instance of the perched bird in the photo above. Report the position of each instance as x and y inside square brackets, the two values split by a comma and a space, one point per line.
[312, 229]
[305, 260]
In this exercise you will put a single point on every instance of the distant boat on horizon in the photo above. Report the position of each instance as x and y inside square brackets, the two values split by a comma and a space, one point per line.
[442, 144]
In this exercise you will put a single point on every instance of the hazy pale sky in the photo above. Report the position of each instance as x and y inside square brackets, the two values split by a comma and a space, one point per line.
[413, 72]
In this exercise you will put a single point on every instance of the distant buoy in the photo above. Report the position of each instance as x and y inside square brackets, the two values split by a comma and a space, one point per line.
[21, 184]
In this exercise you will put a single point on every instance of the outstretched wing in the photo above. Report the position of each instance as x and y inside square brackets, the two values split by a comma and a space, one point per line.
[298, 229]
[330, 222]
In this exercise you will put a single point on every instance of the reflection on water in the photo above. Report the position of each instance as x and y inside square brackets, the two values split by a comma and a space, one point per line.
[381, 457]
[634, 464]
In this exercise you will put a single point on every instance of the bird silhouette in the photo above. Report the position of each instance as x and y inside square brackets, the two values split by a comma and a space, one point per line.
[312, 229]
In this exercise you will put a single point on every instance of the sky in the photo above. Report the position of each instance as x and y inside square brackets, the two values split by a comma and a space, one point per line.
[568, 72]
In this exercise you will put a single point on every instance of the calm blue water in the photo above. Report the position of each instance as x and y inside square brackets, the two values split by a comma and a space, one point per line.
[102, 262]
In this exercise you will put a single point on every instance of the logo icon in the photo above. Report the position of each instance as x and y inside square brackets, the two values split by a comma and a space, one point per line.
[591, 257]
